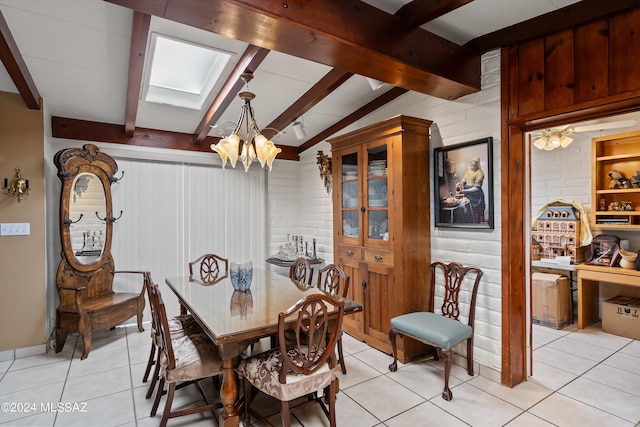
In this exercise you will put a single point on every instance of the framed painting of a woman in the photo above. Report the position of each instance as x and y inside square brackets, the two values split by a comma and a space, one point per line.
[463, 185]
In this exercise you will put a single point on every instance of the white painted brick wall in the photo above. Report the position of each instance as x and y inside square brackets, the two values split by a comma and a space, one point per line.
[298, 203]
[471, 117]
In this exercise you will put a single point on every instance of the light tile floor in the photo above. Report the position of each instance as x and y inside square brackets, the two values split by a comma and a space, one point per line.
[581, 378]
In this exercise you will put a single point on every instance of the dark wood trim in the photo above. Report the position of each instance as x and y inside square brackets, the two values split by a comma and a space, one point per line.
[327, 84]
[418, 12]
[383, 99]
[512, 207]
[140, 23]
[16, 67]
[84, 130]
[372, 44]
[569, 16]
[248, 63]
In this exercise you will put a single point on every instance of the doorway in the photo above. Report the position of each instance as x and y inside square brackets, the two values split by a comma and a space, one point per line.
[564, 174]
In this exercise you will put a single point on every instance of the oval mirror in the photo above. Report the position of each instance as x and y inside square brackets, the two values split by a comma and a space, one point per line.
[87, 231]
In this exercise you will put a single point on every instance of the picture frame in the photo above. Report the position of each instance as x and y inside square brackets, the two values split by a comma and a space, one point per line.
[463, 192]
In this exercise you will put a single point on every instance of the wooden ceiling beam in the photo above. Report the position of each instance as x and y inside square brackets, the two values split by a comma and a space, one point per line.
[140, 23]
[574, 14]
[16, 67]
[248, 63]
[330, 82]
[383, 99]
[349, 35]
[85, 130]
[419, 12]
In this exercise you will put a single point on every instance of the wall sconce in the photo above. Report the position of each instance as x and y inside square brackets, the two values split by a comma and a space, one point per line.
[18, 186]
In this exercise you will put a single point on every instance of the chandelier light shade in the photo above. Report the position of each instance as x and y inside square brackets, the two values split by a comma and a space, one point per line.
[246, 141]
[550, 139]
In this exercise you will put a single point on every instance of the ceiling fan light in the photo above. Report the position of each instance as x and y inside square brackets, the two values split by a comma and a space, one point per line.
[541, 142]
[565, 141]
[554, 141]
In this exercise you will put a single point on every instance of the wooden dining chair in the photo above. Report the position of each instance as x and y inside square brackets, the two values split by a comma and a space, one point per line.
[178, 326]
[302, 368]
[333, 280]
[211, 267]
[185, 361]
[443, 330]
[301, 271]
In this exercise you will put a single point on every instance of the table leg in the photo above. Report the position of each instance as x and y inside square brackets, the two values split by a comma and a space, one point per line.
[229, 395]
[588, 296]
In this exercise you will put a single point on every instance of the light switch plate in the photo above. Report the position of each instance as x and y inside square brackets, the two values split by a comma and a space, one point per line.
[15, 229]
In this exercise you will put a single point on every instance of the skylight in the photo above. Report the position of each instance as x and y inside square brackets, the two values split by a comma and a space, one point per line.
[182, 74]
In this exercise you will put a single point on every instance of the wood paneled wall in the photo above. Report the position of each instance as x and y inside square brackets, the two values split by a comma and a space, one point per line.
[588, 71]
[578, 65]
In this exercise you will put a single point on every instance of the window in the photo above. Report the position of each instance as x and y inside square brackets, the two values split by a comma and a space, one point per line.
[182, 74]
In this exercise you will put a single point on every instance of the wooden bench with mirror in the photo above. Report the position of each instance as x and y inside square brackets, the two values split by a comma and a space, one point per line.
[85, 277]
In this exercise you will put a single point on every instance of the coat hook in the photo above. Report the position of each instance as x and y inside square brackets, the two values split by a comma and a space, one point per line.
[67, 221]
[112, 219]
[116, 180]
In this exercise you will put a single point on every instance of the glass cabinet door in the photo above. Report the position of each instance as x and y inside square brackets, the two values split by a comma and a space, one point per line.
[377, 193]
[350, 196]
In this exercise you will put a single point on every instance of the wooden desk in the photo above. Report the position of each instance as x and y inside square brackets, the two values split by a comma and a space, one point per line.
[589, 278]
[234, 320]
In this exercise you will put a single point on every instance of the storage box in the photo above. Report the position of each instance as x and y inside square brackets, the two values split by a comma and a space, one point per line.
[621, 316]
[551, 300]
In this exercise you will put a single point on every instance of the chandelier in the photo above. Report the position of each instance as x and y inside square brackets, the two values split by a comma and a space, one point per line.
[246, 132]
[550, 139]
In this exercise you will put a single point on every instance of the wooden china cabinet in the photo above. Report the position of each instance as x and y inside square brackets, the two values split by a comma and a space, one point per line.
[381, 225]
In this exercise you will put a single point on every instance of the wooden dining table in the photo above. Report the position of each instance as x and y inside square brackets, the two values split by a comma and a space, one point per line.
[234, 320]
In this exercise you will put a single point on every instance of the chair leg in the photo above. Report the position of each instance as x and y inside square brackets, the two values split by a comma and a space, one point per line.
[156, 402]
[470, 356]
[392, 337]
[167, 406]
[154, 378]
[247, 402]
[285, 413]
[332, 404]
[448, 359]
[341, 357]
[150, 363]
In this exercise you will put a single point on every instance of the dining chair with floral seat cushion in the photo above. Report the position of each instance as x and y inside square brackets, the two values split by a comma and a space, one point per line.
[333, 280]
[301, 274]
[178, 327]
[443, 330]
[184, 361]
[302, 368]
[301, 271]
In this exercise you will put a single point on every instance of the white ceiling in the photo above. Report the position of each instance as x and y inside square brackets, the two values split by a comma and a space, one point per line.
[77, 52]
